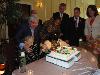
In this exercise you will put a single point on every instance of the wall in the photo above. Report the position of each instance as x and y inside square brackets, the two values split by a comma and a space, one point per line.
[50, 6]
[83, 4]
[98, 2]
[29, 2]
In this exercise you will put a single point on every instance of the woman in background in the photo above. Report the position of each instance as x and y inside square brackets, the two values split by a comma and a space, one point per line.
[92, 26]
[92, 29]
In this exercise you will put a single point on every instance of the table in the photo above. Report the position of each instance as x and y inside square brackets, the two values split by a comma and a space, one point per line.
[41, 67]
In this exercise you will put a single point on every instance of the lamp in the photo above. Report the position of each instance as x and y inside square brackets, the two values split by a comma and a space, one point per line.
[39, 4]
[98, 9]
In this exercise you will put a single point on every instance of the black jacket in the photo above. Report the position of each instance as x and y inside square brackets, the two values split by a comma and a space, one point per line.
[64, 24]
[24, 31]
[76, 32]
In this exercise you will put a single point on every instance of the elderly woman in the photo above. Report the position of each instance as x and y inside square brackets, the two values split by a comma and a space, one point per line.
[27, 46]
[31, 50]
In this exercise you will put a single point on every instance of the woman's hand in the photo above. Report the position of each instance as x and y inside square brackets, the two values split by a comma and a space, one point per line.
[28, 49]
[44, 47]
[97, 47]
[89, 38]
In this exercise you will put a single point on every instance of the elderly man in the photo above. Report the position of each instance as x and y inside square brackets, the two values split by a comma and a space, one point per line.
[27, 28]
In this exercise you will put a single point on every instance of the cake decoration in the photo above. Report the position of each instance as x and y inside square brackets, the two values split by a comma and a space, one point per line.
[62, 54]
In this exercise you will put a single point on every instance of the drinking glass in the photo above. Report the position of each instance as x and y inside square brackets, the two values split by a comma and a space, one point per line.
[30, 72]
[2, 65]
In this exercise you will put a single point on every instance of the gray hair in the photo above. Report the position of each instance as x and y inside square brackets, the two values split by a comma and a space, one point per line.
[32, 18]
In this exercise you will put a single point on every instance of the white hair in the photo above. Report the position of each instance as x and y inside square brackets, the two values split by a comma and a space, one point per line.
[33, 18]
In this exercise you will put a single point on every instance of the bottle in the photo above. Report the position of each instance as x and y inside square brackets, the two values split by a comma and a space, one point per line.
[80, 42]
[22, 65]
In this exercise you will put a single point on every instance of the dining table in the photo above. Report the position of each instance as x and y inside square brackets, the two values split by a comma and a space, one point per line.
[84, 66]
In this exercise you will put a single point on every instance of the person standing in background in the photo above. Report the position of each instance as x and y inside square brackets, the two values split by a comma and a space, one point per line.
[92, 30]
[77, 25]
[92, 26]
[64, 20]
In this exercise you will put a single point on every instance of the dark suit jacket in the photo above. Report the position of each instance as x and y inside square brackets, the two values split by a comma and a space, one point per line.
[64, 24]
[24, 30]
[76, 33]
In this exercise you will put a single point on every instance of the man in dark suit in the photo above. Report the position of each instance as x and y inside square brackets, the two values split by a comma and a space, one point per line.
[28, 28]
[64, 20]
[77, 25]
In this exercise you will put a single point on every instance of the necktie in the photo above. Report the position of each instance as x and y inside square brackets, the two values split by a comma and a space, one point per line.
[76, 22]
[61, 15]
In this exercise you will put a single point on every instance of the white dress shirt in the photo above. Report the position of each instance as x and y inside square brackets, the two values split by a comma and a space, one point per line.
[32, 30]
[93, 29]
[61, 15]
[77, 21]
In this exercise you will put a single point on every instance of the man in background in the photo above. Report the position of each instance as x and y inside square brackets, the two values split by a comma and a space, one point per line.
[64, 20]
[77, 25]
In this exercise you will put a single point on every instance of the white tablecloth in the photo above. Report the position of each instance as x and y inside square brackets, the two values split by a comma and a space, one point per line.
[41, 67]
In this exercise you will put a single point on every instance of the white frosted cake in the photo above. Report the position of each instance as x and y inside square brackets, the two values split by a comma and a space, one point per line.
[64, 56]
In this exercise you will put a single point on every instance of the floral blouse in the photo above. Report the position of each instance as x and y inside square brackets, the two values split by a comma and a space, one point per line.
[93, 29]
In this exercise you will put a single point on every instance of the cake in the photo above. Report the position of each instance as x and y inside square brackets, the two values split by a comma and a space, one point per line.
[62, 54]
[64, 57]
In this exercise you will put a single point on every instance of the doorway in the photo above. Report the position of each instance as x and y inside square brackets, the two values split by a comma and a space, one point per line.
[25, 13]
